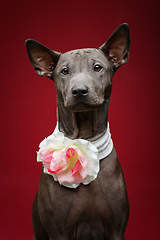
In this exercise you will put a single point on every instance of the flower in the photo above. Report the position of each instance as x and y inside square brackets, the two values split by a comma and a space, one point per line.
[70, 162]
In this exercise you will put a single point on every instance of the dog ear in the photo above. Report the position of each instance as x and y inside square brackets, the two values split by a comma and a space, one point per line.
[43, 59]
[117, 46]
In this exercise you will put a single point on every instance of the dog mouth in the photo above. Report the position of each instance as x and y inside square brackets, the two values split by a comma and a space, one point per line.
[83, 104]
[81, 107]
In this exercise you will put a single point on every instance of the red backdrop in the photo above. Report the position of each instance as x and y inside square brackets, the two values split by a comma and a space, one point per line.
[28, 102]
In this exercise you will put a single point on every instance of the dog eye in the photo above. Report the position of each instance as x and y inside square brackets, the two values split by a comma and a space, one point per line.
[97, 68]
[64, 71]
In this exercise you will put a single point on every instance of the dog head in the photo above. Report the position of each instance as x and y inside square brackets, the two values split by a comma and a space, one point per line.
[83, 77]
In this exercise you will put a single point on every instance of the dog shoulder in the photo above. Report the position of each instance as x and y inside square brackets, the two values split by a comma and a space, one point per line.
[111, 176]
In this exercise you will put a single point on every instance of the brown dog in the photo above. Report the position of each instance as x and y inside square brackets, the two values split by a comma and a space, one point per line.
[83, 79]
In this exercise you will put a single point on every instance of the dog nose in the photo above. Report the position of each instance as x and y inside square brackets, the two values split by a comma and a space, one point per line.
[80, 90]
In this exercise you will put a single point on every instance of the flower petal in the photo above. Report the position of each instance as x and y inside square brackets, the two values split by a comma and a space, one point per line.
[76, 167]
[89, 179]
[56, 169]
[48, 157]
[38, 157]
[92, 148]
[66, 177]
[83, 172]
[70, 152]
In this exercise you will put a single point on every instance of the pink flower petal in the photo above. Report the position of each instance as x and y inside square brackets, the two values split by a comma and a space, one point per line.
[66, 176]
[70, 152]
[45, 152]
[76, 167]
[48, 157]
[77, 178]
[83, 172]
[56, 169]
[82, 158]
[57, 158]
[46, 165]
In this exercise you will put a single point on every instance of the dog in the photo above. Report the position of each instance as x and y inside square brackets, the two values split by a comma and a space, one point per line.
[83, 80]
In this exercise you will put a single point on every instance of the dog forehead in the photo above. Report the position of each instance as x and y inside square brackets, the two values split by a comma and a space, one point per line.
[81, 55]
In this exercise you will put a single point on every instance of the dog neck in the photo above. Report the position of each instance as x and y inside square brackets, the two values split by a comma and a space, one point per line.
[89, 125]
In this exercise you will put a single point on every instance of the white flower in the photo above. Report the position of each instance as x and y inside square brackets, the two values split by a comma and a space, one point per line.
[70, 162]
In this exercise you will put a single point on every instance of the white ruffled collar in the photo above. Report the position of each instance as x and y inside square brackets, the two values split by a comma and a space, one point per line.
[104, 144]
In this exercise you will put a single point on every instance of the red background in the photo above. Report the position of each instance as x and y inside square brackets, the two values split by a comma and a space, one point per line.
[28, 102]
